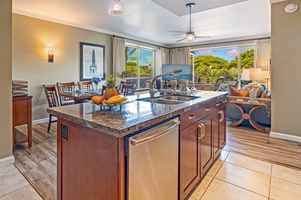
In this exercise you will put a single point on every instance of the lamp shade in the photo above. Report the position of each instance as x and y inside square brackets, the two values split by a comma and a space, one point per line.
[116, 8]
[252, 74]
[266, 74]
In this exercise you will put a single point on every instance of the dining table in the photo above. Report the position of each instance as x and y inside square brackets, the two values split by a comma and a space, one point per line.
[80, 96]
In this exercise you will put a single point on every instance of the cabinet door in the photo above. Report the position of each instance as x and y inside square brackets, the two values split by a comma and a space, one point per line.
[219, 132]
[189, 159]
[215, 134]
[222, 128]
[206, 144]
[88, 163]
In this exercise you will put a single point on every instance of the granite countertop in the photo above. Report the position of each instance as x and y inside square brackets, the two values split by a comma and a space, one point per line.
[128, 118]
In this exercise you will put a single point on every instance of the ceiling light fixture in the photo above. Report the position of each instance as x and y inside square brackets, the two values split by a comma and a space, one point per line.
[291, 8]
[116, 8]
[190, 36]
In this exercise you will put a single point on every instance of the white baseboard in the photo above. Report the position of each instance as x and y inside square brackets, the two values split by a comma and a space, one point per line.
[285, 136]
[7, 160]
[39, 121]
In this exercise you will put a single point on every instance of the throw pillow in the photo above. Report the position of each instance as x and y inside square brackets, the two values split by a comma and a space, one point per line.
[236, 92]
[223, 87]
[263, 95]
[233, 83]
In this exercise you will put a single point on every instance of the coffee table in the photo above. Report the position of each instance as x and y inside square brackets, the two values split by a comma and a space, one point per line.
[245, 115]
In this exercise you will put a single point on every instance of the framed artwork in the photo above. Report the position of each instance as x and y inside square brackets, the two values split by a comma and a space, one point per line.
[92, 61]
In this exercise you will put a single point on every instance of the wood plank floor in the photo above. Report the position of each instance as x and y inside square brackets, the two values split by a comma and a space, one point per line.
[38, 164]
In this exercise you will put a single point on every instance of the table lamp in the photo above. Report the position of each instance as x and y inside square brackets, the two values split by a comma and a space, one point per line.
[254, 75]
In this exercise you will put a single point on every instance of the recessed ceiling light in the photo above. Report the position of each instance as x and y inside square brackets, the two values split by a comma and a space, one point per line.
[290, 8]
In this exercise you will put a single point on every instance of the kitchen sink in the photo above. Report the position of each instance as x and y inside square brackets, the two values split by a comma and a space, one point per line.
[169, 99]
[160, 100]
[180, 98]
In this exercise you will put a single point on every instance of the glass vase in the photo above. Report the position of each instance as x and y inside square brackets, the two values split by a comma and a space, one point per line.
[95, 87]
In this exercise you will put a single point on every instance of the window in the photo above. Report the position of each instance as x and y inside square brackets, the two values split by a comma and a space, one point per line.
[220, 64]
[140, 61]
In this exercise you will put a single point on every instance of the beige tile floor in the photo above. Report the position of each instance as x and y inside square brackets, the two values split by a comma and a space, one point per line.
[237, 177]
[232, 177]
[13, 186]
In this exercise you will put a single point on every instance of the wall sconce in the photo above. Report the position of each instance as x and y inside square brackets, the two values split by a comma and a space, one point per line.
[51, 53]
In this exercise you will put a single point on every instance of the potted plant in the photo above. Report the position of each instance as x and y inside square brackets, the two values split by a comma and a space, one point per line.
[125, 74]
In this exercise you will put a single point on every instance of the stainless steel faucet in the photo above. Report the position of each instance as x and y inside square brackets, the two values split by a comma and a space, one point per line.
[152, 91]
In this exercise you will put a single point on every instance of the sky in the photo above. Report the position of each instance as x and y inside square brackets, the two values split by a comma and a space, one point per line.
[228, 54]
[146, 57]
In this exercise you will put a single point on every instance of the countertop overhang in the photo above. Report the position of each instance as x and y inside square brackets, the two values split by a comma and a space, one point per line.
[130, 117]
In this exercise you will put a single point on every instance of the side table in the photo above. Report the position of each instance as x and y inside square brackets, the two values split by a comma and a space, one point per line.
[248, 115]
[22, 114]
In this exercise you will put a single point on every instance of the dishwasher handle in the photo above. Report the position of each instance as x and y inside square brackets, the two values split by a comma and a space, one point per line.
[155, 136]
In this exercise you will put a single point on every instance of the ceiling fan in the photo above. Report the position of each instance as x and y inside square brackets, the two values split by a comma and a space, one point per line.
[190, 36]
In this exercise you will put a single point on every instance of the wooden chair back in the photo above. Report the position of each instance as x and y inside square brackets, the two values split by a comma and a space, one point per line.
[85, 85]
[51, 95]
[68, 87]
[53, 100]
[128, 89]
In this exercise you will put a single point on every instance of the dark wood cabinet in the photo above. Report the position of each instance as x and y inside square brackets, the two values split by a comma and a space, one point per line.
[22, 115]
[201, 141]
[189, 159]
[206, 143]
[90, 163]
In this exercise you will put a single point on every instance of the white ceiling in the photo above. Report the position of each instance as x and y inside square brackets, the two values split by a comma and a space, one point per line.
[162, 22]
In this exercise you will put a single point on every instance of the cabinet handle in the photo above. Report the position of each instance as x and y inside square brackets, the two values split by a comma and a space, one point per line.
[190, 116]
[217, 104]
[225, 101]
[222, 116]
[155, 136]
[201, 128]
[207, 109]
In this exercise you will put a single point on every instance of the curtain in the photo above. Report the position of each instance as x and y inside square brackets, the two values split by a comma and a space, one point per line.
[118, 57]
[180, 56]
[262, 57]
[164, 56]
[262, 54]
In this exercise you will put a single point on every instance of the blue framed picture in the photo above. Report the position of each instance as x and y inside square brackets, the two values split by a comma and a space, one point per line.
[92, 61]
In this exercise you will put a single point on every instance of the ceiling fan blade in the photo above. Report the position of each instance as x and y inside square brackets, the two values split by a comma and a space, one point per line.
[180, 40]
[203, 37]
[176, 31]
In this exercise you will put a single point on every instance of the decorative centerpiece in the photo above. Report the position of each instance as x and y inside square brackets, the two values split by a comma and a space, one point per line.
[96, 84]
[254, 75]
[110, 90]
[253, 89]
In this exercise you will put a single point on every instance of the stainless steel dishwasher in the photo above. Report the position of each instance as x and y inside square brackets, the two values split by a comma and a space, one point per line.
[152, 163]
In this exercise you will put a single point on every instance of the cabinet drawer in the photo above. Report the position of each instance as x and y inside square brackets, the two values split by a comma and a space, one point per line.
[209, 107]
[189, 117]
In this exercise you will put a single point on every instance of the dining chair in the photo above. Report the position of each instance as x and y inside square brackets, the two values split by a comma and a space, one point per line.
[67, 87]
[85, 85]
[128, 89]
[53, 101]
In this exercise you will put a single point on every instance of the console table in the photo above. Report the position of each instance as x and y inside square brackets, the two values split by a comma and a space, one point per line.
[22, 115]
[248, 115]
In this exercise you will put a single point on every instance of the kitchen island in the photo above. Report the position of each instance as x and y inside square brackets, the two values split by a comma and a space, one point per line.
[91, 143]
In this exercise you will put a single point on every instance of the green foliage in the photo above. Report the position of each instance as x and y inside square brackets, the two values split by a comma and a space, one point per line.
[129, 51]
[144, 70]
[212, 69]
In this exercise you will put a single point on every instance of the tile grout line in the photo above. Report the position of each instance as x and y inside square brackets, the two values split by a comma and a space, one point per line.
[223, 161]
[270, 186]
[241, 187]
